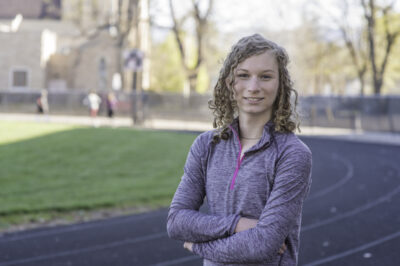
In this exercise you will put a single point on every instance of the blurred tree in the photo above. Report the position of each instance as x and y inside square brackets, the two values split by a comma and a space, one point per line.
[320, 65]
[167, 73]
[371, 44]
[120, 18]
[352, 38]
[391, 32]
[191, 65]
[172, 78]
[356, 48]
[392, 74]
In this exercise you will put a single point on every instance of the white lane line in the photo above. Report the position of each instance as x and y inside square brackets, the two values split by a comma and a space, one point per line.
[355, 211]
[348, 176]
[85, 250]
[354, 250]
[83, 226]
[177, 261]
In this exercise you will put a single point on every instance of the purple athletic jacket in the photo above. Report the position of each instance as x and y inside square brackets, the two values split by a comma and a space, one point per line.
[269, 183]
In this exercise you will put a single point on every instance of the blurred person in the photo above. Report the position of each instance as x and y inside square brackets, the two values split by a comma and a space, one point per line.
[111, 103]
[253, 169]
[42, 103]
[94, 102]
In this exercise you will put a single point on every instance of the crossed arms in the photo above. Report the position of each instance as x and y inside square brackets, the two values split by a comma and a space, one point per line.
[233, 239]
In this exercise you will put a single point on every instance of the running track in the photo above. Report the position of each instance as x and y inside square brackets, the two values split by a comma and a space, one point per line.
[351, 217]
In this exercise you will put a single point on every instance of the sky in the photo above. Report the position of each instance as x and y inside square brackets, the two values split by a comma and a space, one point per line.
[239, 16]
[274, 15]
[235, 16]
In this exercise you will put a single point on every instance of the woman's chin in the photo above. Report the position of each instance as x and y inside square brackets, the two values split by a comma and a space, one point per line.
[254, 111]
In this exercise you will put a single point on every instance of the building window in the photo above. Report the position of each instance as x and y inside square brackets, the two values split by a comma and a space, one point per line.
[19, 78]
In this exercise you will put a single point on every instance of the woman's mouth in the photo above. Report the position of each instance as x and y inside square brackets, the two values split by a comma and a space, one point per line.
[254, 99]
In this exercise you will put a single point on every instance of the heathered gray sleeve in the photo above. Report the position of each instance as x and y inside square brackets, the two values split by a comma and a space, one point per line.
[282, 210]
[184, 221]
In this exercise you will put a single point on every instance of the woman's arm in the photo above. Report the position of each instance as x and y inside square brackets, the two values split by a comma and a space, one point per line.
[242, 225]
[184, 221]
[282, 210]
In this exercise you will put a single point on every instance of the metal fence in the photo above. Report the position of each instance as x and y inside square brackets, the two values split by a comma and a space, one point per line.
[166, 105]
[370, 113]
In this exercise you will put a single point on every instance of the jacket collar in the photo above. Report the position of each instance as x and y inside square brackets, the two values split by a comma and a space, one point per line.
[265, 139]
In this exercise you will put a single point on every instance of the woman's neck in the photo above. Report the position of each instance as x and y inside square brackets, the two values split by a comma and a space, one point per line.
[251, 127]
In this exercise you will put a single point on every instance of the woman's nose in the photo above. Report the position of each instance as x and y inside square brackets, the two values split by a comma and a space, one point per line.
[253, 85]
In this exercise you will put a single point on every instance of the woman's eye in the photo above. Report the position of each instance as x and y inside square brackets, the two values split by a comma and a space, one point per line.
[265, 77]
[242, 75]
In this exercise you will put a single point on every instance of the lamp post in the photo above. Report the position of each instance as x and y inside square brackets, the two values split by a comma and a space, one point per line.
[133, 61]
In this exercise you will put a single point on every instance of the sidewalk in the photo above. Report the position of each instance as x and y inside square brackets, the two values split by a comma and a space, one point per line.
[164, 124]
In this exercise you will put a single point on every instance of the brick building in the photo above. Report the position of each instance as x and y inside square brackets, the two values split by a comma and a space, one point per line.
[63, 45]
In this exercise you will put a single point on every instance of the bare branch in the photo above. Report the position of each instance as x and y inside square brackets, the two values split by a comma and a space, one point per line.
[390, 38]
[176, 31]
[209, 9]
[200, 31]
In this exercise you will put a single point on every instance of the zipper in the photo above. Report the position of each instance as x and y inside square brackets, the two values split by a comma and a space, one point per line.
[239, 160]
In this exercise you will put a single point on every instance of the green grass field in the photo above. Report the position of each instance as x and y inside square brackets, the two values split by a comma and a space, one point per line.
[49, 171]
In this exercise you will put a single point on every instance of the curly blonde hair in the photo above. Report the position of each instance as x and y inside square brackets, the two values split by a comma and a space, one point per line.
[223, 104]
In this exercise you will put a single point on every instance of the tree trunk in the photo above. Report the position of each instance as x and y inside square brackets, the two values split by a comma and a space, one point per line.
[362, 86]
[361, 77]
[192, 72]
[378, 72]
[378, 82]
[193, 77]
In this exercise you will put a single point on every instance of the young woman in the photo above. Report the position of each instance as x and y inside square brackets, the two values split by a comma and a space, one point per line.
[253, 169]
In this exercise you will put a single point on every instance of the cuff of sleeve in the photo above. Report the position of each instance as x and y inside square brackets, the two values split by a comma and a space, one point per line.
[234, 224]
[196, 249]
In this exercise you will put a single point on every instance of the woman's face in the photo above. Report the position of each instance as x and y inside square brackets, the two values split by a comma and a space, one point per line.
[256, 84]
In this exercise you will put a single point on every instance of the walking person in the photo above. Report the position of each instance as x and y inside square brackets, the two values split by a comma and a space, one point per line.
[253, 170]
[42, 104]
[111, 103]
[94, 102]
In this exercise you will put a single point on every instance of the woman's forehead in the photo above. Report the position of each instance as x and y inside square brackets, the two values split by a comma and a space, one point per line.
[261, 62]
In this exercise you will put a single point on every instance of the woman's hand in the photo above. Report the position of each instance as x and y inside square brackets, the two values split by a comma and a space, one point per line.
[188, 246]
[245, 224]
[282, 249]
[242, 225]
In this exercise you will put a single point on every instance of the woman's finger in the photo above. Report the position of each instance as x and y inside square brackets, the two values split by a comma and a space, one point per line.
[282, 249]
